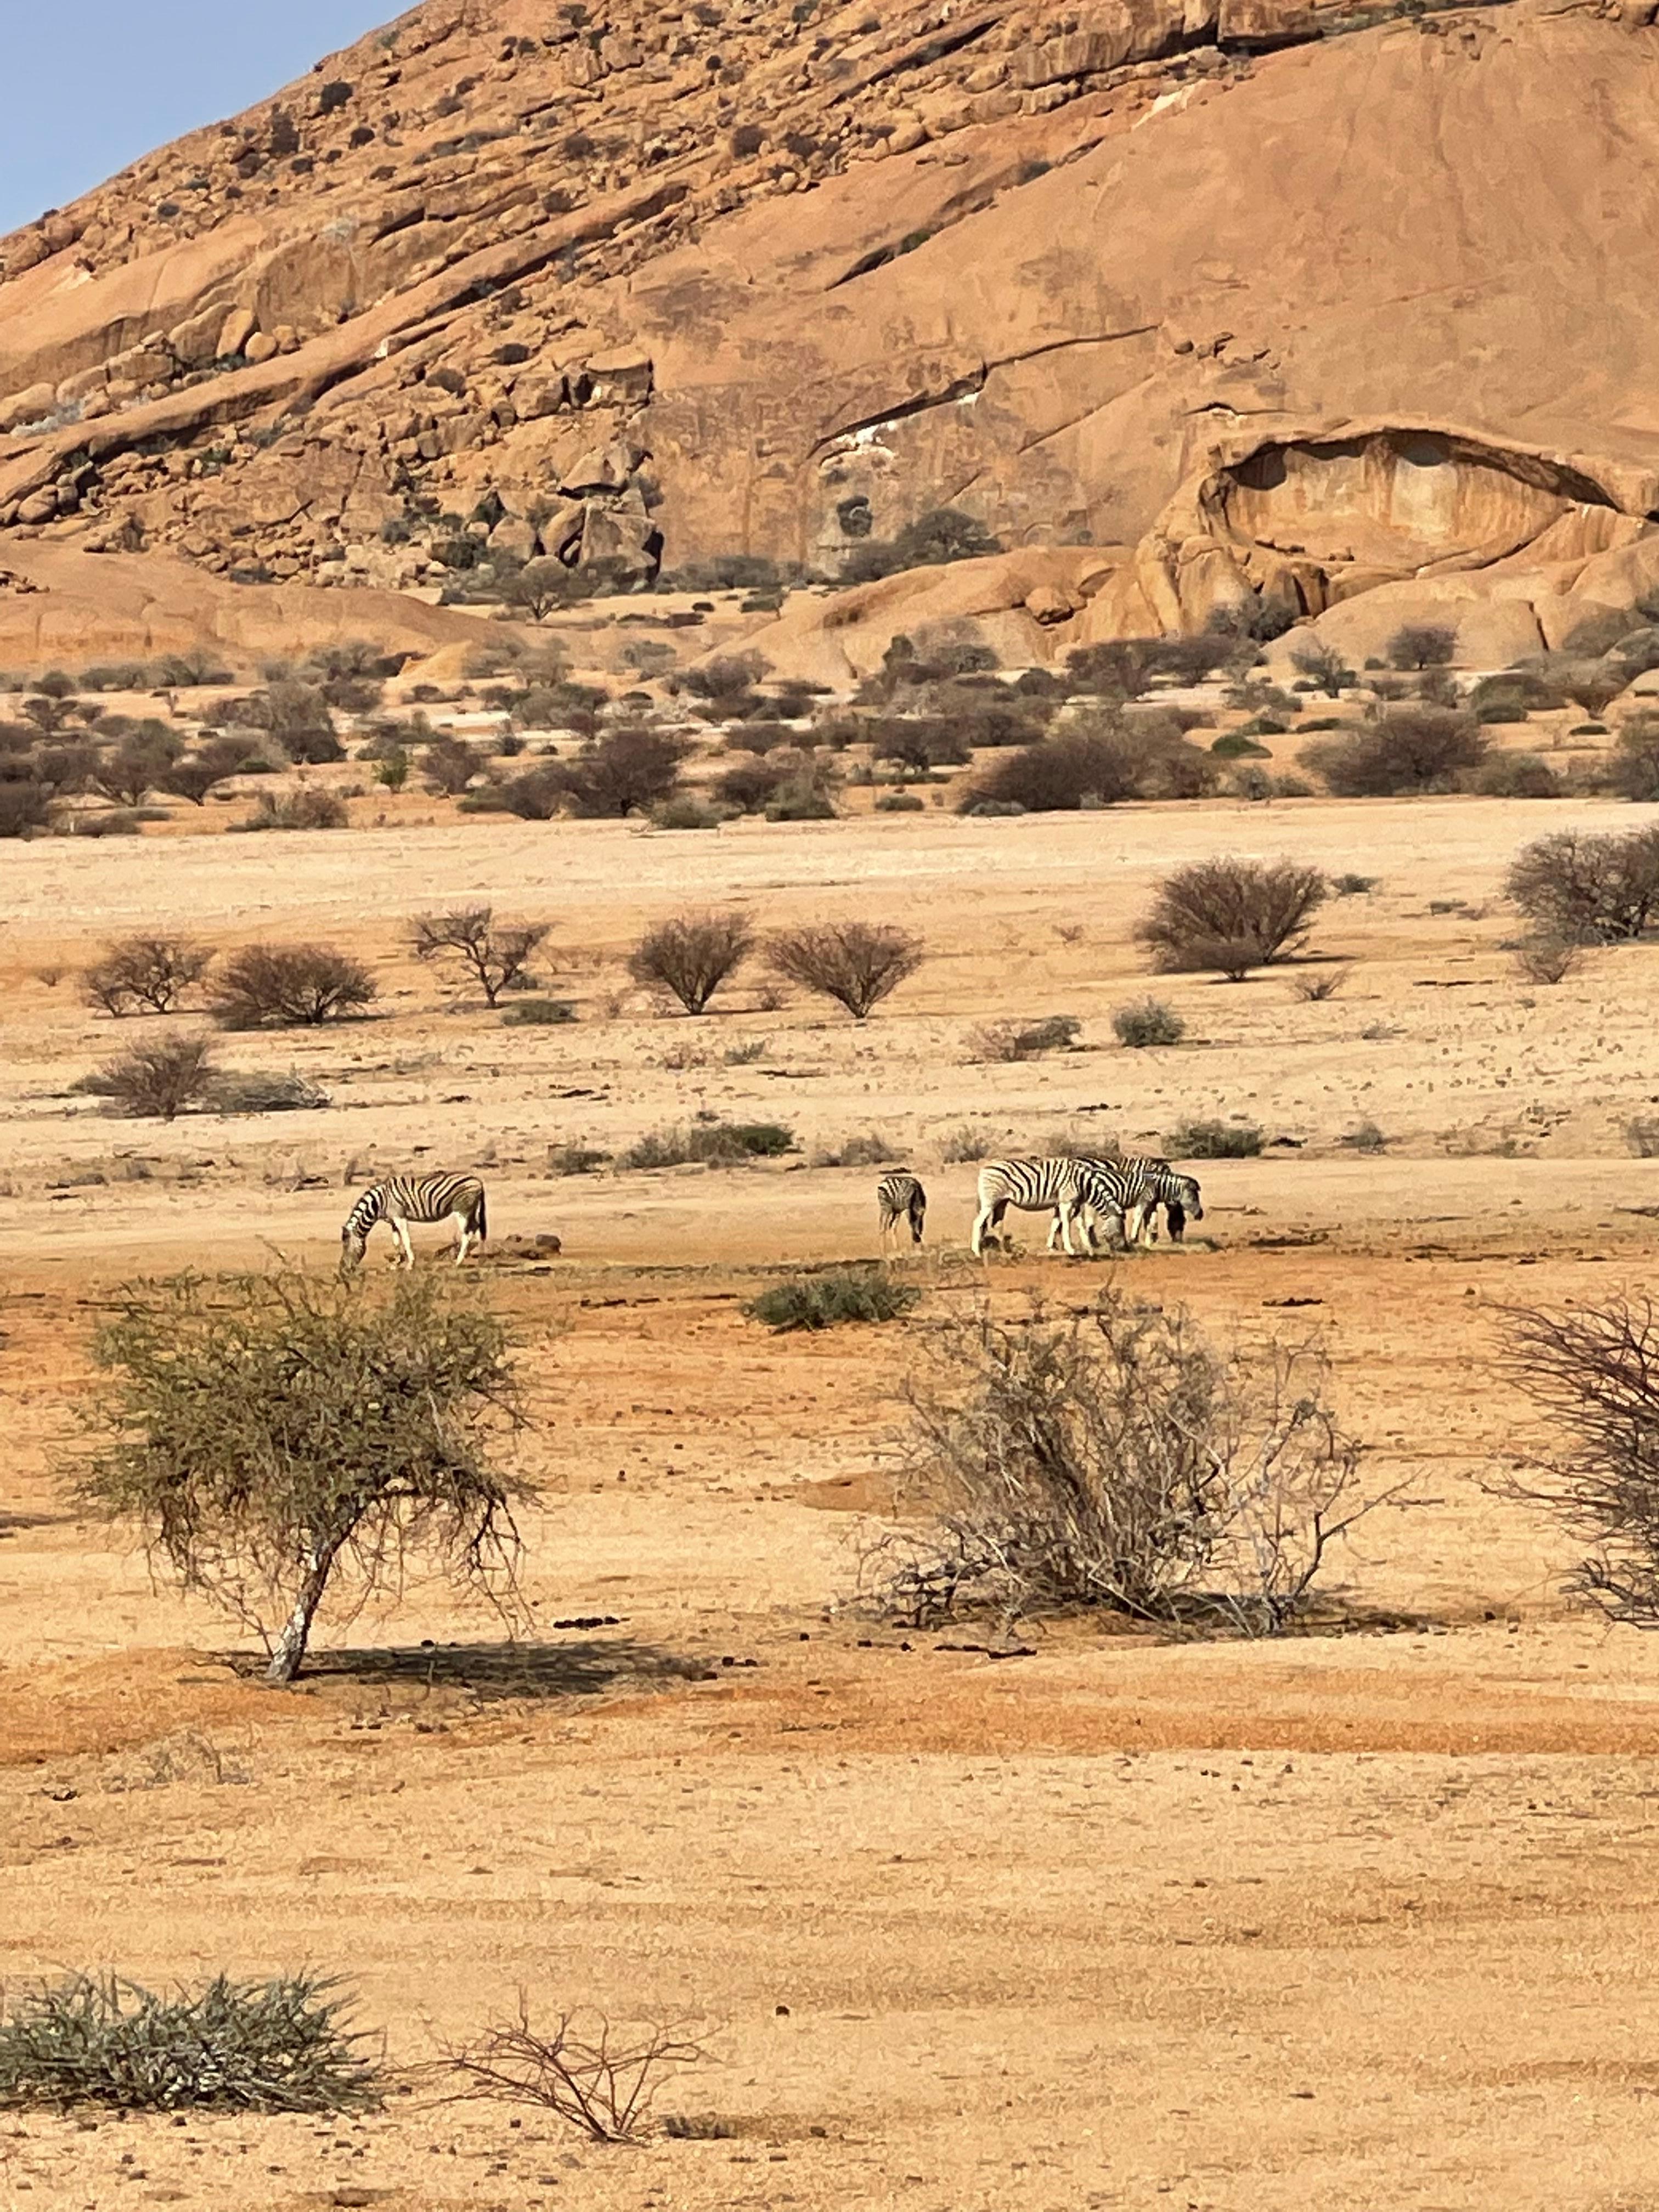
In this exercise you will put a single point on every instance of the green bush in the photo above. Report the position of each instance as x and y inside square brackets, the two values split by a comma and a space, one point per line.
[1213, 1141]
[867, 1294]
[283, 2045]
[1148, 1021]
[1238, 744]
[709, 1144]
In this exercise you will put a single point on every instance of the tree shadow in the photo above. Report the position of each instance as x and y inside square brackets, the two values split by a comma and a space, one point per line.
[11, 1523]
[493, 1673]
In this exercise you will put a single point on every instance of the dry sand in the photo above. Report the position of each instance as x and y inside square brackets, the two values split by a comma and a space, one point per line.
[1348, 1920]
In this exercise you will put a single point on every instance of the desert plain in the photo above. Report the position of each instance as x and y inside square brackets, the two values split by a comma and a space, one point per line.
[967, 1918]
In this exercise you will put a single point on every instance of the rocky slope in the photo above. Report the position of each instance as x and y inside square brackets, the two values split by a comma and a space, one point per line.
[632, 286]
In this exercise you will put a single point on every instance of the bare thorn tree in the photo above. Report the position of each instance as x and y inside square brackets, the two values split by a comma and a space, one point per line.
[497, 953]
[1119, 1461]
[858, 963]
[599, 2079]
[157, 1078]
[264, 1432]
[1593, 1372]
[144, 971]
[692, 956]
[1231, 914]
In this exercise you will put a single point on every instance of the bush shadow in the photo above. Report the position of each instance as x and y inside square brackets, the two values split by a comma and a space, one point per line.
[493, 1673]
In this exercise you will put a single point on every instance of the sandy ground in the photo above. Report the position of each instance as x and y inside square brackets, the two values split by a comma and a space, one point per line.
[1355, 1919]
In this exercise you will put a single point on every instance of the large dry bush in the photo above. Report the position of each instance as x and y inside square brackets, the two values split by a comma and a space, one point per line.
[1400, 750]
[1593, 1371]
[25, 804]
[496, 953]
[309, 807]
[1231, 914]
[857, 963]
[157, 1079]
[262, 1432]
[627, 771]
[1633, 771]
[153, 971]
[1119, 1461]
[692, 955]
[290, 985]
[1592, 890]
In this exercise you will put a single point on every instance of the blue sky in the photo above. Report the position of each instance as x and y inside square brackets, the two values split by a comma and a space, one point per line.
[92, 84]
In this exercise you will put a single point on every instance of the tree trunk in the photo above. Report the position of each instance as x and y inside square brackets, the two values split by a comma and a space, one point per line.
[290, 1651]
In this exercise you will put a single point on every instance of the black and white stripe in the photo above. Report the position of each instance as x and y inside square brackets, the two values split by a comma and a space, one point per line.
[1138, 1185]
[1072, 1187]
[900, 1197]
[403, 1199]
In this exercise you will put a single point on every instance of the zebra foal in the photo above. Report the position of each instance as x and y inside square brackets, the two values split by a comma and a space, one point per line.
[900, 1197]
[1072, 1189]
[403, 1199]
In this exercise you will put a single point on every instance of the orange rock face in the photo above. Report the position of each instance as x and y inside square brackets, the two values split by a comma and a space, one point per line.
[699, 284]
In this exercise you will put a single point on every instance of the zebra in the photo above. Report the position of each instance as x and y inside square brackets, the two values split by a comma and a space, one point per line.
[901, 1197]
[1138, 1187]
[403, 1199]
[1073, 1187]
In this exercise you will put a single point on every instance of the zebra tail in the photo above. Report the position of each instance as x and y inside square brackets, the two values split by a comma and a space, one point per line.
[483, 1220]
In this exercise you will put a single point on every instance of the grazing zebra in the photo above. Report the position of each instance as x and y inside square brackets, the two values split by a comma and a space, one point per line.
[403, 1199]
[1138, 1186]
[1073, 1187]
[901, 1197]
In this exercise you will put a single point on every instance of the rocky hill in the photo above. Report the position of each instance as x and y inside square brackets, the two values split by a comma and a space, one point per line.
[1278, 298]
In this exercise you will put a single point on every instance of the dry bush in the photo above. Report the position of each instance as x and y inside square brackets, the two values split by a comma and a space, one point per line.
[144, 971]
[1517, 776]
[1323, 666]
[1545, 959]
[290, 985]
[200, 772]
[1147, 1022]
[1642, 1136]
[1213, 1141]
[139, 764]
[1119, 1461]
[298, 717]
[157, 1079]
[448, 764]
[1633, 771]
[1594, 889]
[1593, 1372]
[1011, 1041]
[839, 1294]
[967, 1143]
[710, 1144]
[1400, 750]
[283, 2046]
[310, 807]
[1231, 914]
[261, 1432]
[496, 953]
[868, 1150]
[25, 804]
[596, 2078]
[232, 1092]
[857, 963]
[1058, 774]
[537, 794]
[1363, 1137]
[1315, 989]
[692, 955]
[1422, 645]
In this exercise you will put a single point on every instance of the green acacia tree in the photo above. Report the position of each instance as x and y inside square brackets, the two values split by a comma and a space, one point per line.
[265, 1433]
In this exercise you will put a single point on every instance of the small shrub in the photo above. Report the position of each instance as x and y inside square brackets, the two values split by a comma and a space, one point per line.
[290, 985]
[1545, 959]
[1594, 889]
[842, 1294]
[576, 1160]
[1323, 667]
[1009, 1040]
[1363, 1137]
[709, 1144]
[1642, 1136]
[144, 971]
[686, 813]
[868, 1151]
[800, 799]
[1517, 776]
[1147, 1022]
[856, 963]
[596, 2080]
[900, 802]
[448, 764]
[967, 1144]
[692, 955]
[1234, 744]
[1214, 1140]
[283, 2045]
[1422, 645]
[293, 1093]
[155, 1080]
[1231, 914]
[537, 1014]
[1315, 989]
[1352, 886]
[308, 808]
[1633, 771]
[496, 954]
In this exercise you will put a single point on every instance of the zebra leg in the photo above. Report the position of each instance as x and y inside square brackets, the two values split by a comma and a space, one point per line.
[1053, 1229]
[406, 1244]
[463, 1243]
[989, 1219]
[1067, 1211]
[918, 1217]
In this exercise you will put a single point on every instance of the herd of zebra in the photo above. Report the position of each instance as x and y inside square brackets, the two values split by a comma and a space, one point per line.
[1081, 1195]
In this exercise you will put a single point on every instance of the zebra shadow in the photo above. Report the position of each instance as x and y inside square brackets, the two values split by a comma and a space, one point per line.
[495, 1672]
